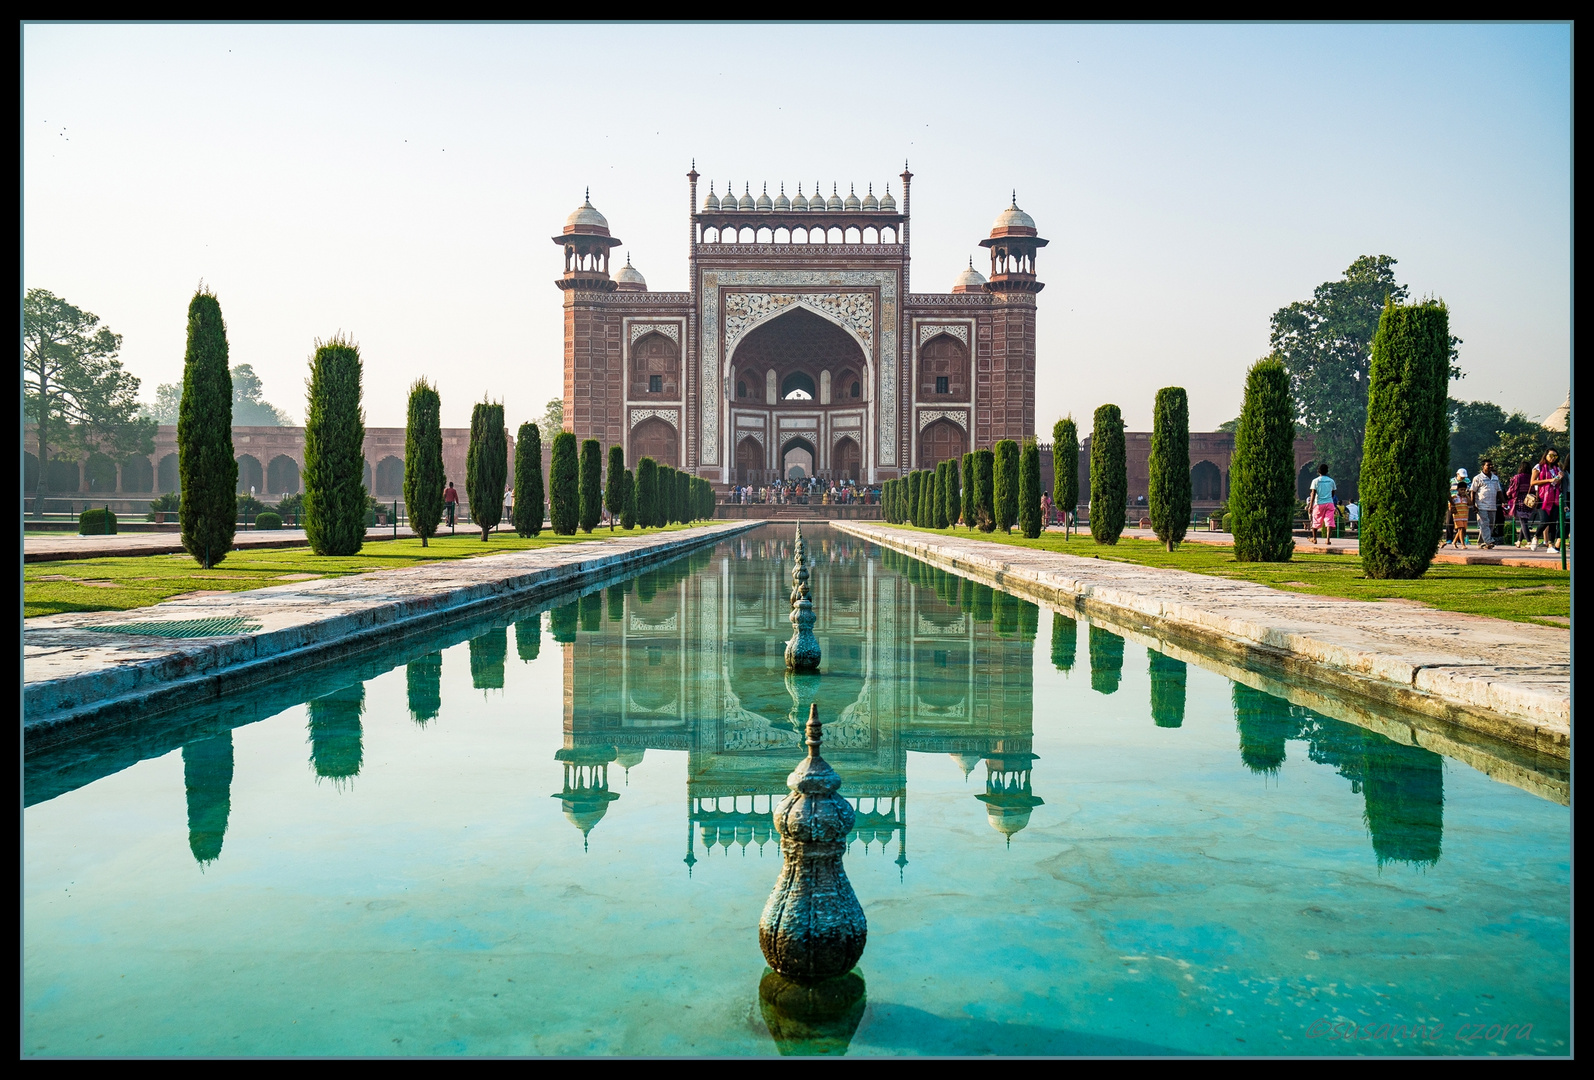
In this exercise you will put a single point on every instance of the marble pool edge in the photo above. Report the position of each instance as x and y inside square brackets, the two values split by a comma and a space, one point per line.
[1475, 697]
[123, 678]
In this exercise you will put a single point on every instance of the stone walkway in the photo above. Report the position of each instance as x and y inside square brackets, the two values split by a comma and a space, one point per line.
[76, 679]
[1508, 680]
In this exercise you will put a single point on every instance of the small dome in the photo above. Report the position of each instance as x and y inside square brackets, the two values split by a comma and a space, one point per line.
[711, 201]
[746, 202]
[764, 201]
[630, 279]
[799, 201]
[835, 202]
[970, 278]
[1013, 218]
[886, 201]
[781, 202]
[586, 218]
[852, 202]
[869, 201]
[630, 759]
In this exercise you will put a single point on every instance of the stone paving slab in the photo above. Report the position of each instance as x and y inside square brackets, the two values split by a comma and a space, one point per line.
[75, 679]
[121, 545]
[1506, 679]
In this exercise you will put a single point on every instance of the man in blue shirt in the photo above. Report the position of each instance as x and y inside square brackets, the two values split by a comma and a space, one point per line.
[1323, 505]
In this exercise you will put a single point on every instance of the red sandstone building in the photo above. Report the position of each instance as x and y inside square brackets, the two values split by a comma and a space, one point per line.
[799, 344]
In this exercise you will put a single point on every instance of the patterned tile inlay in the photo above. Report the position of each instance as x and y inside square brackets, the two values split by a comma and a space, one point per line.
[882, 335]
[670, 330]
[930, 416]
[929, 330]
[669, 416]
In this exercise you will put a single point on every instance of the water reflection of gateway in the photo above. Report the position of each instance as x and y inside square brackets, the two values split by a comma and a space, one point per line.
[691, 658]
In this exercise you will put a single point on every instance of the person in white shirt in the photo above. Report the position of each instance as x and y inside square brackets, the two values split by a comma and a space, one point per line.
[1486, 497]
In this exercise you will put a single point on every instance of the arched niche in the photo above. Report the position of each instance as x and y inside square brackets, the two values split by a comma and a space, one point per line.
[389, 478]
[250, 475]
[1206, 483]
[943, 369]
[655, 368]
[942, 440]
[656, 438]
[138, 475]
[282, 475]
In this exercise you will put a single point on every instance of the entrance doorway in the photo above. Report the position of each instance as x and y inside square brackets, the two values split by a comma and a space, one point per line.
[797, 459]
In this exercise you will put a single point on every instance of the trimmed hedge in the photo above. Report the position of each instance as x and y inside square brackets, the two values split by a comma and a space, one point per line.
[1262, 470]
[96, 521]
[1109, 476]
[1169, 494]
[268, 521]
[1406, 454]
[564, 497]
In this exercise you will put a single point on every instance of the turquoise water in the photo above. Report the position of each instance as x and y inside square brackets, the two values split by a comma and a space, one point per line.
[547, 833]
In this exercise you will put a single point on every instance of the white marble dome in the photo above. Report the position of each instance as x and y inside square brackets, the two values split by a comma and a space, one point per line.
[586, 216]
[746, 202]
[630, 279]
[970, 278]
[1013, 218]
[764, 201]
[711, 201]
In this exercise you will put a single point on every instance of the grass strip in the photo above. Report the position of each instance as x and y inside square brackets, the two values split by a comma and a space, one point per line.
[127, 582]
[1519, 593]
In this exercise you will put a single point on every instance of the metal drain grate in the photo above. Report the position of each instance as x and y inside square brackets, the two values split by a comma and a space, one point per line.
[182, 628]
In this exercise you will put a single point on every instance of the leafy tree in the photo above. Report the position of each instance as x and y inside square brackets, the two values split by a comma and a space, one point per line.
[1476, 426]
[1109, 476]
[985, 490]
[564, 495]
[628, 513]
[1229, 426]
[1065, 466]
[1006, 484]
[614, 490]
[1170, 466]
[1029, 490]
[1262, 470]
[953, 494]
[1404, 479]
[591, 483]
[1529, 446]
[74, 388]
[334, 449]
[529, 501]
[647, 492]
[423, 460]
[553, 420]
[970, 492]
[207, 472]
[248, 408]
[1326, 346]
[487, 465]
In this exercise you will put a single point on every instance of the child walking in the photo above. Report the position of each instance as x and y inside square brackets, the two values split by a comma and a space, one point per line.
[1460, 510]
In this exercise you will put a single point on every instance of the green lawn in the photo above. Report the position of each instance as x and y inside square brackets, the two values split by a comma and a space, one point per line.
[1521, 593]
[135, 581]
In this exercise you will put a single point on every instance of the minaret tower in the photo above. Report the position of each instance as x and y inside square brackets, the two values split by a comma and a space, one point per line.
[586, 241]
[1014, 242]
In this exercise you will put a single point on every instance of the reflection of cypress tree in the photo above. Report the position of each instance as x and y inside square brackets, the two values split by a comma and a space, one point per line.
[1265, 722]
[616, 600]
[424, 680]
[1004, 613]
[487, 654]
[207, 774]
[528, 638]
[1065, 641]
[984, 600]
[562, 621]
[1405, 791]
[966, 595]
[335, 748]
[1029, 619]
[1167, 689]
[646, 586]
[1106, 660]
[591, 612]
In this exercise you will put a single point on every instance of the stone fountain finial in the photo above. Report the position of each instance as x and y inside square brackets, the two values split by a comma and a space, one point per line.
[813, 927]
[802, 651]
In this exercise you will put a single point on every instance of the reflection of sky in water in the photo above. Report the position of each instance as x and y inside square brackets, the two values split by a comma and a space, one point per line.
[370, 862]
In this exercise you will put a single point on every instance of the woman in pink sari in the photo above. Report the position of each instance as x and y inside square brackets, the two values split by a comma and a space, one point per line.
[1547, 476]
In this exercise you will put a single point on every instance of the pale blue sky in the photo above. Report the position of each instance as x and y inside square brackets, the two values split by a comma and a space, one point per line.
[401, 183]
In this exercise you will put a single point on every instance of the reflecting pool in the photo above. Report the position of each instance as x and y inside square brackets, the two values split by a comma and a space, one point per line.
[549, 833]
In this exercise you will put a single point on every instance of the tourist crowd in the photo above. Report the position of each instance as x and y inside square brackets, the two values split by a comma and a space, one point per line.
[807, 491]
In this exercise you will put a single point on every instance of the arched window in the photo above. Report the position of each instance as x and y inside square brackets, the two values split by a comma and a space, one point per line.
[798, 386]
[250, 476]
[389, 478]
[857, 391]
[1206, 483]
[138, 475]
[741, 388]
[657, 439]
[940, 441]
[166, 478]
[282, 475]
[655, 367]
[100, 471]
[943, 369]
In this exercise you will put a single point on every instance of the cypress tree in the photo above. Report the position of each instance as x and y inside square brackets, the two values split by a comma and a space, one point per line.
[683, 497]
[486, 465]
[926, 493]
[1006, 484]
[938, 496]
[334, 451]
[889, 498]
[1405, 453]
[1029, 490]
[528, 480]
[970, 490]
[614, 485]
[664, 500]
[591, 483]
[647, 492]
[954, 497]
[985, 490]
[1262, 470]
[1109, 477]
[1170, 466]
[913, 498]
[628, 507]
[564, 496]
[207, 471]
[423, 460]
[1065, 468]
